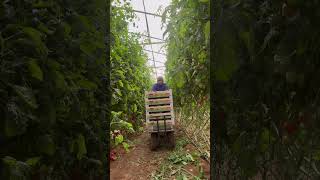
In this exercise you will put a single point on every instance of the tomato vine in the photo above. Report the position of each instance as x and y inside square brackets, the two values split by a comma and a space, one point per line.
[130, 76]
[52, 89]
[187, 73]
[265, 89]
[187, 63]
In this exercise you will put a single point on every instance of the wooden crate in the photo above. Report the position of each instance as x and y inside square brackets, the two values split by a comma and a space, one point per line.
[159, 106]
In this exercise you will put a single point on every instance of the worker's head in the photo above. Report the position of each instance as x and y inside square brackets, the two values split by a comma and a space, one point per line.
[160, 80]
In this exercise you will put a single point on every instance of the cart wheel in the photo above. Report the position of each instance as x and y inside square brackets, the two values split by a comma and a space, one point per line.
[171, 140]
[154, 141]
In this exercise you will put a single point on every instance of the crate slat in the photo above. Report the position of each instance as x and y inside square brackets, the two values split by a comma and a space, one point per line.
[159, 96]
[158, 101]
[157, 93]
[160, 119]
[162, 122]
[155, 131]
[159, 114]
[159, 108]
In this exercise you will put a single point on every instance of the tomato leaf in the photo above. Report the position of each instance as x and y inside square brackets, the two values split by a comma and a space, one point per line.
[118, 139]
[82, 150]
[35, 70]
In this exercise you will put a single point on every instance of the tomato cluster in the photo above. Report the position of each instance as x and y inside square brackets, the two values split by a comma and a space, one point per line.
[292, 127]
[113, 155]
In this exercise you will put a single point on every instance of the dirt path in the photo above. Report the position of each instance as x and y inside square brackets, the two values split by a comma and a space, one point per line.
[141, 162]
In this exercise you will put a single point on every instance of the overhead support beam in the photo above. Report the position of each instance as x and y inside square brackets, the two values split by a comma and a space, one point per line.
[156, 61]
[153, 43]
[148, 30]
[153, 37]
[158, 67]
[149, 36]
[143, 12]
[155, 52]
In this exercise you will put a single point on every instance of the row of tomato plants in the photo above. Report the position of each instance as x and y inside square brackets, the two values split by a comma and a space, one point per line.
[130, 77]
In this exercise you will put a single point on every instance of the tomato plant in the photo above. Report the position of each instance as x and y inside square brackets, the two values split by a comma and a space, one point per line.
[53, 89]
[187, 63]
[130, 77]
[187, 66]
[263, 70]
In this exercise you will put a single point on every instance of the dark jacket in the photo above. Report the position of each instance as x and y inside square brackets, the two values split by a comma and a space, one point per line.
[160, 87]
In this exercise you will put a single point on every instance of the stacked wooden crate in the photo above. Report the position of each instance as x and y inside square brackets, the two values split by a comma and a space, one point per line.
[159, 111]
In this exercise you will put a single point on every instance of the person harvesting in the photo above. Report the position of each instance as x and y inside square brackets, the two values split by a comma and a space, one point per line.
[160, 85]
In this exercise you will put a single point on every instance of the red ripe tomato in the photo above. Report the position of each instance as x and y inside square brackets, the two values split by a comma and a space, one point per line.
[113, 155]
[290, 127]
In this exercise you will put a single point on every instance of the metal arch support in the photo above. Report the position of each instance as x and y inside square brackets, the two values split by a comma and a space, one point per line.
[145, 15]
[155, 52]
[149, 37]
[156, 61]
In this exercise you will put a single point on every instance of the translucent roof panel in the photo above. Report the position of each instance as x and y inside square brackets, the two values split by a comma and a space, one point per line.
[136, 4]
[155, 26]
[140, 24]
[158, 57]
[154, 5]
[159, 48]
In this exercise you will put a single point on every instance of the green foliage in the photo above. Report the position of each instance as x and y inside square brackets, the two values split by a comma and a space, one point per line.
[187, 66]
[53, 88]
[117, 127]
[33, 161]
[14, 169]
[177, 158]
[35, 70]
[181, 143]
[188, 31]
[130, 76]
[46, 145]
[182, 177]
[265, 87]
[125, 146]
[82, 150]
[178, 163]
[119, 139]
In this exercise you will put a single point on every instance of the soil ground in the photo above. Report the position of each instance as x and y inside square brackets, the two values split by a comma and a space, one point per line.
[141, 162]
